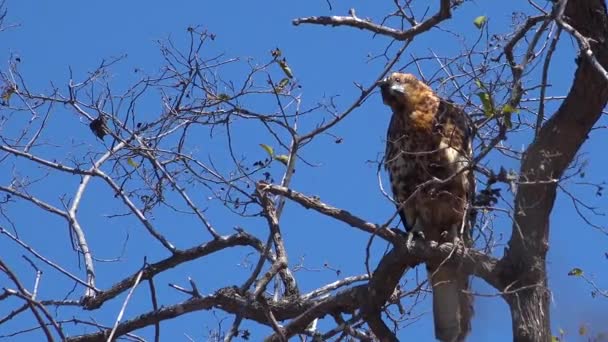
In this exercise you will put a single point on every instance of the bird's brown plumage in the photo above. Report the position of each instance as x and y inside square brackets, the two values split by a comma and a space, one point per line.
[428, 150]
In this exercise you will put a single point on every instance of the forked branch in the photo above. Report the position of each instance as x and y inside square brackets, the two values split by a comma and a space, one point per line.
[352, 20]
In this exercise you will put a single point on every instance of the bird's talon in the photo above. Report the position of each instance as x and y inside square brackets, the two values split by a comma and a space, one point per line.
[414, 234]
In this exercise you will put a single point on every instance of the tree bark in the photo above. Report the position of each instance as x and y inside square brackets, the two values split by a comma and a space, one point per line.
[524, 277]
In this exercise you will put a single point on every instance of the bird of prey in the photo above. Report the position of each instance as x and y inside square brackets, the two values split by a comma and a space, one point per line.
[428, 151]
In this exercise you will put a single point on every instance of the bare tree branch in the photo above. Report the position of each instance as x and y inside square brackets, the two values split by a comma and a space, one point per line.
[352, 20]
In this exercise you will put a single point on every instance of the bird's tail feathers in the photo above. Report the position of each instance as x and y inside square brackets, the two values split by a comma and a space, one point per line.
[452, 304]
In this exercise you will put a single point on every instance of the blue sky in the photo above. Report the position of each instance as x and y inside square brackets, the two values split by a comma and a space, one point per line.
[53, 37]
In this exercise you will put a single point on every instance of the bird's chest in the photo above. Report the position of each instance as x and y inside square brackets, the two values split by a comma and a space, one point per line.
[413, 158]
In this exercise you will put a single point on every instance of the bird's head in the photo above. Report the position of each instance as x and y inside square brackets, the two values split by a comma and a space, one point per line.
[403, 91]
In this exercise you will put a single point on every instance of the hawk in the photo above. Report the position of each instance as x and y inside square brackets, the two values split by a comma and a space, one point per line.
[428, 150]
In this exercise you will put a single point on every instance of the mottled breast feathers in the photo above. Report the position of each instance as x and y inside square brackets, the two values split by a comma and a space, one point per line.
[428, 139]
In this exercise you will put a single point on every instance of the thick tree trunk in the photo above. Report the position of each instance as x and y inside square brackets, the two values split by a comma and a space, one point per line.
[524, 275]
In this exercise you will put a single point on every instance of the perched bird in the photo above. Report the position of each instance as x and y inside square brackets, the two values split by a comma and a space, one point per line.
[99, 127]
[428, 150]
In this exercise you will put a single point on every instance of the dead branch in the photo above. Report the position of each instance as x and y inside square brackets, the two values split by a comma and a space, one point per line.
[352, 20]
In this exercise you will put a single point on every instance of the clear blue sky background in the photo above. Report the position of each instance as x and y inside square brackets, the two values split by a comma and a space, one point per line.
[54, 36]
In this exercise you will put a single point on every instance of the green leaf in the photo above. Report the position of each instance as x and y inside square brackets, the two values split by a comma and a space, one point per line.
[286, 69]
[486, 101]
[554, 339]
[283, 158]
[576, 272]
[281, 85]
[268, 150]
[223, 97]
[480, 21]
[508, 121]
[132, 163]
[509, 109]
[582, 330]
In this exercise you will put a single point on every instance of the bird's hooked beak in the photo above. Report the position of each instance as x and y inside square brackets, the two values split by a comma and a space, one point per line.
[388, 86]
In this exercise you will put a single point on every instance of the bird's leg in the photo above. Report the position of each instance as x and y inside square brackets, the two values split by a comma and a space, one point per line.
[452, 235]
[455, 233]
[458, 237]
[415, 232]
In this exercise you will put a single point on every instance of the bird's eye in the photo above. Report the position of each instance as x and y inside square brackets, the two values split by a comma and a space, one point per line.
[397, 80]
